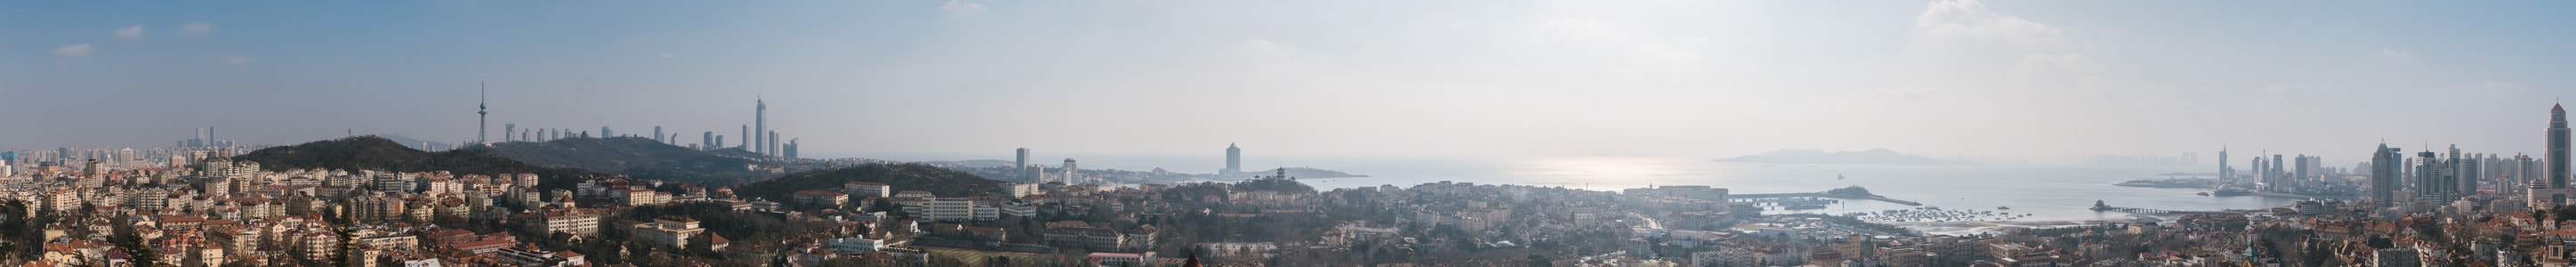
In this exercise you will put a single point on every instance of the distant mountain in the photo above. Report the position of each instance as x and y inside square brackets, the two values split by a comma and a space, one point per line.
[901, 176]
[636, 157]
[378, 153]
[1879, 156]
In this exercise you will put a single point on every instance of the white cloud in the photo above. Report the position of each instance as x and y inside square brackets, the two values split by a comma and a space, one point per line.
[78, 50]
[1967, 20]
[239, 60]
[1905, 93]
[130, 33]
[962, 8]
[2395, 54]
[196, 28]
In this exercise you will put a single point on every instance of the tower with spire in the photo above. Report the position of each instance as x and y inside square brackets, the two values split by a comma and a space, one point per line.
[2557, 146]
[482, 112]
[2554, 192]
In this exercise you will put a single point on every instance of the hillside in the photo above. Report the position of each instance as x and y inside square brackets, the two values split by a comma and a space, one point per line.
[377, 153]
[902, 176]
[636, 157]
[1873, 156]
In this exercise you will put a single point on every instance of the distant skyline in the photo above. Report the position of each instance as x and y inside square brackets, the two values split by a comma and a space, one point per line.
[1689, 79]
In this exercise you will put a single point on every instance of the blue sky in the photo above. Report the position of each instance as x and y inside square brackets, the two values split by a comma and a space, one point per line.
[1426, 78]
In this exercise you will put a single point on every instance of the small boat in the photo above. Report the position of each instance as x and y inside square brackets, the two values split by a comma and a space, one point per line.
[2002, 207]
[2204, 194]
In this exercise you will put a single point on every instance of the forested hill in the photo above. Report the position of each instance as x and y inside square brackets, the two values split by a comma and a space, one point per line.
[902, 176]
[636, 157]
[377, 153]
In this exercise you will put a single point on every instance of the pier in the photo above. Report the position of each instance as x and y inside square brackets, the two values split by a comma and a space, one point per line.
[2099, 206]
[1822, 195]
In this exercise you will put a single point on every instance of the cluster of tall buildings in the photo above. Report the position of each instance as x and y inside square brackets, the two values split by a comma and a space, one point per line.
[762, 140]
[1069, 174]
[205, 139]
[2439, 178]
[2431, 177]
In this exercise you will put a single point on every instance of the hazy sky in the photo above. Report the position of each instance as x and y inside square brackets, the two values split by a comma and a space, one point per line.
[1422, 78]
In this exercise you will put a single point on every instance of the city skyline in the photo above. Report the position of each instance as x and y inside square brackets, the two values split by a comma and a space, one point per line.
[2045, 78]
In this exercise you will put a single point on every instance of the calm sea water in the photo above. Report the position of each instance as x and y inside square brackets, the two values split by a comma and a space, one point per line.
[2045, 191]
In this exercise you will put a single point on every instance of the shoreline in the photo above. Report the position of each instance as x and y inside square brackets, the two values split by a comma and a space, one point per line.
[1962, 228]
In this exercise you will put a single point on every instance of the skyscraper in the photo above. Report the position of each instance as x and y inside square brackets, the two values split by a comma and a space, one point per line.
[657, 134]
[508, 129]
[1021, 167]
[1070, 172]
[772, 149]
[2557, 146]
[2383, 175]
[2435, 181]
[2301, 172]
[2280, 179]
[2553, 193]
[707, 141]
[1233, 160]
[2466, 165]
[788, 151]
[760, 124]
[2224, 174]
[746, 133]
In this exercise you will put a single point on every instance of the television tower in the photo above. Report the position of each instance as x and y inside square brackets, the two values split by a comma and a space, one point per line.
[482, 111]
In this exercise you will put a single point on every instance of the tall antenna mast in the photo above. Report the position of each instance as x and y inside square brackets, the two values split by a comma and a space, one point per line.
[482, 111]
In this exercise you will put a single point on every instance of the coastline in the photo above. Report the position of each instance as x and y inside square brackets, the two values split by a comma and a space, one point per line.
[1995, 227]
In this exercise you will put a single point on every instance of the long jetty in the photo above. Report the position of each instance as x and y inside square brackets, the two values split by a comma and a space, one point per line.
[2158, 211]
[1823, 195]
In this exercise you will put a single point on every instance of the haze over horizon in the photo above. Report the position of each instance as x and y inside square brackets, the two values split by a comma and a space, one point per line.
[1435, 79]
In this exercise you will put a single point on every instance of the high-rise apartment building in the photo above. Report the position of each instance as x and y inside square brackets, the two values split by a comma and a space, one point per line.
[1021, 166]
[1072, 173]
[1233, 160]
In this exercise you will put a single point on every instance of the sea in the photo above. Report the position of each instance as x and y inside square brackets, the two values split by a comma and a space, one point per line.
[2034, 191]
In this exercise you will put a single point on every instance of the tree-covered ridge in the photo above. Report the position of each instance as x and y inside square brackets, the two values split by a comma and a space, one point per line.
[636, 157]
[377, 153]
[901, 176]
